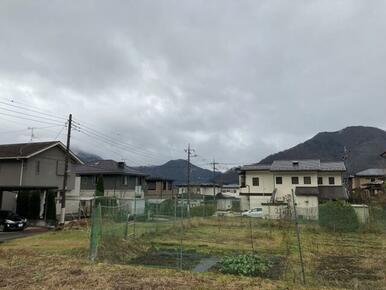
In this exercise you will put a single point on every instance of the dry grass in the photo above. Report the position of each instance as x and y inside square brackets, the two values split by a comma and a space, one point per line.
[58, 260]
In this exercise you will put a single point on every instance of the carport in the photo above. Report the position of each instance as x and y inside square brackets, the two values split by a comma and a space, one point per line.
[9, 196]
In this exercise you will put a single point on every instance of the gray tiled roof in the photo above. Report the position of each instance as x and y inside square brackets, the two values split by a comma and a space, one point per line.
[23, 149]
[332, 166]
[296, 165]
[26, 150]
[256, 167]
[158, 178]
[372, 172]
[106, 167]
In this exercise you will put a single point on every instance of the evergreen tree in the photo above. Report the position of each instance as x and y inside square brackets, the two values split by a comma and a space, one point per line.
[100, 189]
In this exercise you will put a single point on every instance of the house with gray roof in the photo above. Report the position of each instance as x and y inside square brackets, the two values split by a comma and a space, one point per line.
[159, 187]
[34, 169]
[312, 182]
[371, 180]
[119, 180]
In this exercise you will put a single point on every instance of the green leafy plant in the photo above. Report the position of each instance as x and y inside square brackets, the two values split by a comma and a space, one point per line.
[337, 216]
[247, 265]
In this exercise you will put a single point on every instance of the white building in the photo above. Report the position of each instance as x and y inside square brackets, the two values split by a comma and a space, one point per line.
[232, 190]
[311, 181]
[199, 189]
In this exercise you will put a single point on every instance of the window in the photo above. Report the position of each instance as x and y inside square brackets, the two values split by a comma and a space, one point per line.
[307, 179]
[255, 181]
[372, 179]
[125, 180]
[242, 180]
[83, 180]
[164, 185]
[151, 185]
[279, 180]
[59, 167]
[93, 180]
[320, 180]
[331, 180]
[295, 180]
[37, 167]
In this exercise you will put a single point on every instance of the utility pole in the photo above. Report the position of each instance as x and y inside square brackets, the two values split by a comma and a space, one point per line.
[298, 238]
[214, 163]
[65, 176]
[32, 133]
[189, 151]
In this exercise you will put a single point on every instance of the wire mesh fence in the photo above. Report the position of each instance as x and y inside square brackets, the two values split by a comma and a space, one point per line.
[166, 233]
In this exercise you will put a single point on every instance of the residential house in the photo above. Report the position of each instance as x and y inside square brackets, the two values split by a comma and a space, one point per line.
[371, 180]
[312, 181]
[35, 168]
[119, 180]
[232, 190]
[199, 190]
[159, 187]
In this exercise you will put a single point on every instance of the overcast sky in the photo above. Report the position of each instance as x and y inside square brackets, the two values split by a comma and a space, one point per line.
[237, 79]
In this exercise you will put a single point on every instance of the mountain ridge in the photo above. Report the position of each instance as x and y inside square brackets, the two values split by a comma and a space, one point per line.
[359, 146]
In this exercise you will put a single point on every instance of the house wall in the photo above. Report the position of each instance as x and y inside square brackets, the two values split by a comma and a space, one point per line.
[10, 172]
[285, 189]
[159, 191]
[111, 182]
[265, 182]
[208, 190]
[129, 194]
[51, 169]
[359, 181]
[51, 165]
[336, 175]
[307, 207]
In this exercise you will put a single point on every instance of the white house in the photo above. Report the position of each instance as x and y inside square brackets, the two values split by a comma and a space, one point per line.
[199, 189]
[232, 190]
[311, 180]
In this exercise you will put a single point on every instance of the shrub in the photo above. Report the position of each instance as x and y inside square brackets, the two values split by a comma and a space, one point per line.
[203, 210]
[337, 216]
[247, 265]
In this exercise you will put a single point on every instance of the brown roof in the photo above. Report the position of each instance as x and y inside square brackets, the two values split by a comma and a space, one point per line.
[323, 192]
[27, 150]
[332, 193]
[304, 190]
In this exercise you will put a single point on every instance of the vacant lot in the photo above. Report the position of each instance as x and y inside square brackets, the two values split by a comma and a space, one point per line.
[332, 261]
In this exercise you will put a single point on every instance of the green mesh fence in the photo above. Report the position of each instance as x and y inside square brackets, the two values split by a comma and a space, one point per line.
[126, 230]
[165, 233]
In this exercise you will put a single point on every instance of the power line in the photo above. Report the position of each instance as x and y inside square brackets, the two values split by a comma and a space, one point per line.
[135, 149]
[119, 144]
[30, 115]
[110, 144]
[11, 103]
[29, 119]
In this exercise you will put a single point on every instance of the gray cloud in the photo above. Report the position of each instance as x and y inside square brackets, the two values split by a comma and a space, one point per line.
[237, 79]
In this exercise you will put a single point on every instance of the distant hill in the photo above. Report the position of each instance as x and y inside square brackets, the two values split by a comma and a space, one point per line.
[177, 170]
[86, 156]
[363, 144]
[228, 177]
